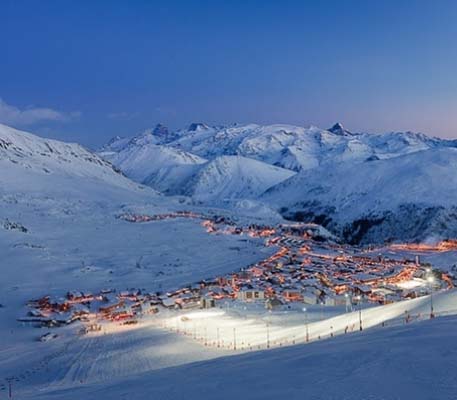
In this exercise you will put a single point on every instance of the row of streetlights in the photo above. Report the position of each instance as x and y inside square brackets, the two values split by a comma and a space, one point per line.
[358, 298]
[430, 280]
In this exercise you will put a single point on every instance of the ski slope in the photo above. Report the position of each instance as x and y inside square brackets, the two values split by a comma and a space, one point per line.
[253, 331]
[415, 360]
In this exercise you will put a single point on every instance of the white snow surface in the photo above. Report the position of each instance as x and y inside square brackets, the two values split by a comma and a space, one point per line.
[417, 360]
[46, 160]
[234, 177]
[141, 160]
[421, 186]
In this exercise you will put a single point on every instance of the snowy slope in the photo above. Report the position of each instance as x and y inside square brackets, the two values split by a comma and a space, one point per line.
[225, 177]
[160, 134]
[411, 362]
[234, 177]
[172, 179]
[30, 163]
[406, 197]
[416, 359]
[140, 159]
[68, 199]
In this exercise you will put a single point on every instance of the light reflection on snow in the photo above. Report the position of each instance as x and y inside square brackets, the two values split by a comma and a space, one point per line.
[411, 284]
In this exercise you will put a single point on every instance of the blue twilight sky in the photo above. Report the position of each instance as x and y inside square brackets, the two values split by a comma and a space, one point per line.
[88, 70]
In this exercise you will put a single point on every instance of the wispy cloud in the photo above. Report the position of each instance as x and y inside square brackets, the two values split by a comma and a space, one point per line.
[12, 115]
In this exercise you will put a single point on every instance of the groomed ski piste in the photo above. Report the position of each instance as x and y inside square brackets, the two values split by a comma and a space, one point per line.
[132, 358]
[415, 361]
[245, 330]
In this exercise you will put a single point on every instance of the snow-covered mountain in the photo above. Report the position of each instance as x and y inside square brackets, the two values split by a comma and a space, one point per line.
[234, 177]
[140, 161]
[224, 178]
[413, 196]
[43, 166]
[287, 146]
[156, 159]
[347, 181]
[300, 148]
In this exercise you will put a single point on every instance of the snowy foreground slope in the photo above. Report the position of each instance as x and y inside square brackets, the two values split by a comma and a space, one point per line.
[415, 361]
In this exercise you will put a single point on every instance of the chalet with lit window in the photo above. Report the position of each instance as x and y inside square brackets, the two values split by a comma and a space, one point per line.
[250, 295]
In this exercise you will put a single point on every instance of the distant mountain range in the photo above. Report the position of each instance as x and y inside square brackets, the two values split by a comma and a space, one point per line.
[286, 146]
[363, 187]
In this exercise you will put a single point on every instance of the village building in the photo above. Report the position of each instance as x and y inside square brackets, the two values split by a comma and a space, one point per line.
[168, 302]
[207, 302]
[335, 300]
[250, 295]
[309, 297]
[292, 295]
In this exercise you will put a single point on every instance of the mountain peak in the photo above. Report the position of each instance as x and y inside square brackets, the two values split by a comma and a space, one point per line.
[160, 130]
[197, 126]
[338, 129]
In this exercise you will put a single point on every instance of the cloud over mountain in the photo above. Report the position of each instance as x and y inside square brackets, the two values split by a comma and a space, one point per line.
[12, 115]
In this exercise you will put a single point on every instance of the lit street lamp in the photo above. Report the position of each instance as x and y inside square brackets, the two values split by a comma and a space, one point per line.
[268, 329]
[348, 302]
[306, 324]
[359, 302]
[430, 280]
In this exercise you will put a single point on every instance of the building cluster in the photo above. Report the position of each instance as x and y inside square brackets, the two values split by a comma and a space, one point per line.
[445, 245]
[131, 217]
[310, 271]
[314, 272]
[109, 305]
[308, 267]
